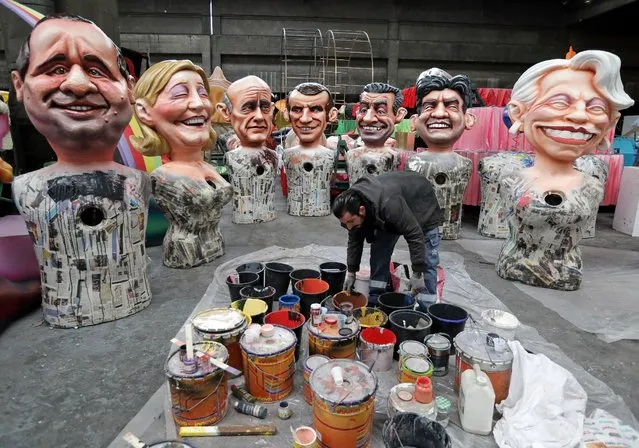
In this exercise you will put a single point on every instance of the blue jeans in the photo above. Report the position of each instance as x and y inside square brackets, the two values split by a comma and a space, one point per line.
[381, 252]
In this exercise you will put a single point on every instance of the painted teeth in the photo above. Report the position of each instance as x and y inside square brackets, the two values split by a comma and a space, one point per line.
[373, 128]
[194, 121]
[80, 108]
[438, 126]
[568, 134]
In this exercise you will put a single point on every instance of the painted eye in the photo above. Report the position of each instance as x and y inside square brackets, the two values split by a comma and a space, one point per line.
[202, 92]
[59, 71]
[560, 104]
[94, 72]
[597, 109]
[296, 109]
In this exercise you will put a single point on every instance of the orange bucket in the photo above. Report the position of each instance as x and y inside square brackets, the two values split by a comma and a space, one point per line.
[413, 367]
[199, 391]
[223, 325]
[269, 363]
[343, 413]
[331, 340]
[311, 363]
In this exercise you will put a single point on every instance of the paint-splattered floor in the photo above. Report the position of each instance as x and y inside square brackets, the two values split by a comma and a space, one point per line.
[81, 387]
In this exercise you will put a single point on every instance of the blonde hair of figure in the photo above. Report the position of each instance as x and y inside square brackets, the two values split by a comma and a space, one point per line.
[149, 86]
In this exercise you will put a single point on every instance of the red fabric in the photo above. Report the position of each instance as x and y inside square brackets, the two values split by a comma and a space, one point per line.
[410, 97]
[495, 97]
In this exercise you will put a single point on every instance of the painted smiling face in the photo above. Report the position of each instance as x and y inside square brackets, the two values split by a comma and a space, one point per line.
[308, 116]
[375, 118]
[442, 120]
[73, 90]
[182, 112]
[569, 117]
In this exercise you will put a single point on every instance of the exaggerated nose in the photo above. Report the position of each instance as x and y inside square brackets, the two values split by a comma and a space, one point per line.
[306, 116]
[195, 101]
[439, 111]
[578, 112]
[78, 82]
[369, 116]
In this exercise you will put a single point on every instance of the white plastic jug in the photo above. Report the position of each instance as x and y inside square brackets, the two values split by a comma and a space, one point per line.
[476, 401]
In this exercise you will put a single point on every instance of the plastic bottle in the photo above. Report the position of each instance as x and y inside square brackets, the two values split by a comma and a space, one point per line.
[476, 402]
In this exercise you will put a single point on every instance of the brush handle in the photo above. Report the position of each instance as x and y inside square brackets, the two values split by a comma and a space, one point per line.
[228, 430]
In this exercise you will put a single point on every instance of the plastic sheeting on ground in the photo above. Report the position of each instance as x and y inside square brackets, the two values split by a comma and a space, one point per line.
[601, 306]
[459, 289]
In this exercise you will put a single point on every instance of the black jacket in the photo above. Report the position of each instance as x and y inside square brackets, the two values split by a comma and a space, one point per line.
[400, 203]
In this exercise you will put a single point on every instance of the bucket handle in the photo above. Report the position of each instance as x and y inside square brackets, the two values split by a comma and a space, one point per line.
[219, 382]
[250, 361]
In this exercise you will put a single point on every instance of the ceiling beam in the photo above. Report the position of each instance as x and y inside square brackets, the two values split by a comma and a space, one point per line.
[596, 8]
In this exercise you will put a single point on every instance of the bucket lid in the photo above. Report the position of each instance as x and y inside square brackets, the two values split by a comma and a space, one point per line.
[326, 331]
[358, 386]
[397, 399]
[219, 320]
[437, 342]
[413, 348]
[472, 343]
[417, 364]
[282, 339]
[500, 319]
[314, 361]
[174, 366]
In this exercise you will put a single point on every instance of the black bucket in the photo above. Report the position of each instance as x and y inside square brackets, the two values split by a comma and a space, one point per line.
[393, 301]
[278, 275]
[448, 319]
[334, 274]
[409, 325]
[257, 292]
[242, 279]
[328, 304]
[256, 267]
[413, 430]
[310, 291]
[301, 274]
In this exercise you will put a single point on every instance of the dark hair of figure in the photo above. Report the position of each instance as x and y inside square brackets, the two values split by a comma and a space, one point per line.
[459, 83]
[348, 201]
[380, 87]
[22, 62]
[311, 89]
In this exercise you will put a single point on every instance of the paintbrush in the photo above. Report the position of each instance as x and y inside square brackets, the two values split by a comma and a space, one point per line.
[216, 362]
[228, 430]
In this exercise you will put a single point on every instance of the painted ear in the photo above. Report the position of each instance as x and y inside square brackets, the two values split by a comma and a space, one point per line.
[401, 113]
[142, 110]
[18, 83]
[413, 122]
[469, 120]
[286, 115]
[516, 112]
[130, 83]
[332, 115]
[224, 111]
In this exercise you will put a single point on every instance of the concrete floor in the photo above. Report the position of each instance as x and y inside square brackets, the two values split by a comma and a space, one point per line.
[72, 388]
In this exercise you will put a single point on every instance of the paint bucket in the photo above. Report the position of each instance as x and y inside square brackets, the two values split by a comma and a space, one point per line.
[255, 267]
[409, 325]
[223, 325]
[401, 398]
[376, 348]
[328, 304]
[301, 274]
[439, 351]
[370, 317]
[269, 363]
[447, 318]
[266, 294]
[310, 290]
[236, 282]
[412, 348]
[362, 281]
[335, 341]
[393, 301]
[305, 437]
[334, 274]
[343, 410]
[473, 348]
[278, 275]
[289, 302]
[198, 398]
[413, 430]
[257, 310]
[412, 367]
[500, 322]
[312, 363]
[358, 299]
[290, 319]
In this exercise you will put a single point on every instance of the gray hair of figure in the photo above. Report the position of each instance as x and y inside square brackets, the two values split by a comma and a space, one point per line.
[380, 87]
[438, 79]
[227, 102]
[607, 79]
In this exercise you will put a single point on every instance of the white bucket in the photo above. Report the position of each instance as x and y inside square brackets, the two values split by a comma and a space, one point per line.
[501, 322]
[362, 281]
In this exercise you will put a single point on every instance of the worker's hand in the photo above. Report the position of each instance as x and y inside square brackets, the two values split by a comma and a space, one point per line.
[417, 284]
[350, 282]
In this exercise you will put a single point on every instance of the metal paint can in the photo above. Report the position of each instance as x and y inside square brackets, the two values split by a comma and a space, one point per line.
[223, 325]
[472, 348]
[376, 348]
[343, 411]
[330, 340]
[269, 363]
[199, 396]
[438, 346]
[412, 348]
[312, 363]
[413, 367]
